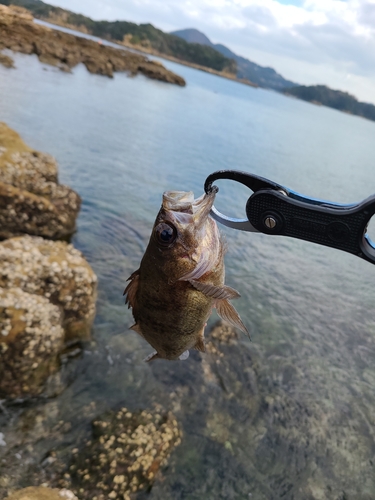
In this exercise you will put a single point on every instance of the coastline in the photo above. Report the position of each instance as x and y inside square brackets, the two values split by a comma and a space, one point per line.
[19, 33]
[149, 51]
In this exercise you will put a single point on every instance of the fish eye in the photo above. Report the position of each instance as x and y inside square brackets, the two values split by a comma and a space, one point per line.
[165, 234]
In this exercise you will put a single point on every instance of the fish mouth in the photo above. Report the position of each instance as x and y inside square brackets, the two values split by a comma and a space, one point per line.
[186, 209]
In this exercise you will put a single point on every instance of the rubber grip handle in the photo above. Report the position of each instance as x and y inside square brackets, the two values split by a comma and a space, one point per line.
[341, 227]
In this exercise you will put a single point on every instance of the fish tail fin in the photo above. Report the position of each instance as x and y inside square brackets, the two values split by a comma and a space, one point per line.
[228, 313]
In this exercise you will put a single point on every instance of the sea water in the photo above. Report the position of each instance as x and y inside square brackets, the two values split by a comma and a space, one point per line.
[294, 418]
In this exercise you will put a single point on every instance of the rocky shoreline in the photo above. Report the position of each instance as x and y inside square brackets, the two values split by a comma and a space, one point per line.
[19, 33]
[31, 199]
[47, 288]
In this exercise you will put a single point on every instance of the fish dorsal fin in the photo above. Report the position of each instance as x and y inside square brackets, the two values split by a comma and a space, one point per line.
[228, 313]
[215, 292]
[131, 290]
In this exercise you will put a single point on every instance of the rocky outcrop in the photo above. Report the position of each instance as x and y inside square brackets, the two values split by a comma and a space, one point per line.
[55, 270]
[47, 297]
[125, 454]
[31, 336]
[19, 33]
[31, 200]
[47, 289]
[42, 494]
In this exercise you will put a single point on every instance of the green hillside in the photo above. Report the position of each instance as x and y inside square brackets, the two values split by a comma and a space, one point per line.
[145, 35]
[260, 75]
[320, 94]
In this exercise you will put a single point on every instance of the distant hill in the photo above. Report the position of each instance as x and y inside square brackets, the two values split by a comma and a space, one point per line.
[262, 76]
[145, 36]
[320, 94]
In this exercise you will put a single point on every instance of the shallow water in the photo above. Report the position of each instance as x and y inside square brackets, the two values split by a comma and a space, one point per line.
[293, 414]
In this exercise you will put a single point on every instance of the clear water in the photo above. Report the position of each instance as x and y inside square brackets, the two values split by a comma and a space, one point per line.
[290, 415]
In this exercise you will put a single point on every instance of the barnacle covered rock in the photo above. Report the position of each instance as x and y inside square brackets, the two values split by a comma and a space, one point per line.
[33, 493]
[126, 452]
[31, 336]
[55, 270]
[31, 200]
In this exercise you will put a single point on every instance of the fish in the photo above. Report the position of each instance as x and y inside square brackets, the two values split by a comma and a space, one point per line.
[181, 278]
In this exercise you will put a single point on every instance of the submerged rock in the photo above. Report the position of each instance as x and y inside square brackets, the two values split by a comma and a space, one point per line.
[57, 271]
[6, 61]
[31, 200]
[125, 454]
[19, 33]
[42, 494]
[31, 337]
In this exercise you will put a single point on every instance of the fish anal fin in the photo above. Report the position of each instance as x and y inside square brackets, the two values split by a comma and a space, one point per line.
[215, 292]
[131, 290]
[199, 345]
[151, 357]
[228, 313]
[136, 328]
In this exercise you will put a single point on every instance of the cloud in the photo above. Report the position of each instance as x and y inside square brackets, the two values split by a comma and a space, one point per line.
[366, 15]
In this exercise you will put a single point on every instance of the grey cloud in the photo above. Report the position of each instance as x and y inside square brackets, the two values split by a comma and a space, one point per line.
[367, 14]
[259, 15]
[331, 43]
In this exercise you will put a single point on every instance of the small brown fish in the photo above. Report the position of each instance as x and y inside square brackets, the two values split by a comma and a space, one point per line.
[181, 278]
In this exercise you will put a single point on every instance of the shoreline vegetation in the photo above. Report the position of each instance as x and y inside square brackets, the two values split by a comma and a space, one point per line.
[322, 95]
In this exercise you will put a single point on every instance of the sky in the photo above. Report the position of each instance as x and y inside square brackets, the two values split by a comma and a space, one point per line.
[310, 42]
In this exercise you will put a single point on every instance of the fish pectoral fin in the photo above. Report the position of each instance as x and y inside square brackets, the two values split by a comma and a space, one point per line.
[228, 313]
[151, 357]
[131, 290]
[136, 328]
[204, 265]
[215, 292]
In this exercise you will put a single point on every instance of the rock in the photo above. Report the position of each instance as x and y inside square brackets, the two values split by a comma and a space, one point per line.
[125, 454]
[47, 298]
[31, 200]
[57, 271]
[19, 33]
[31, 336]
[42, 494]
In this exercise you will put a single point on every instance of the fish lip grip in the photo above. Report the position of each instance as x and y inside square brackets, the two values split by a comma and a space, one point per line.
[276, 210]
